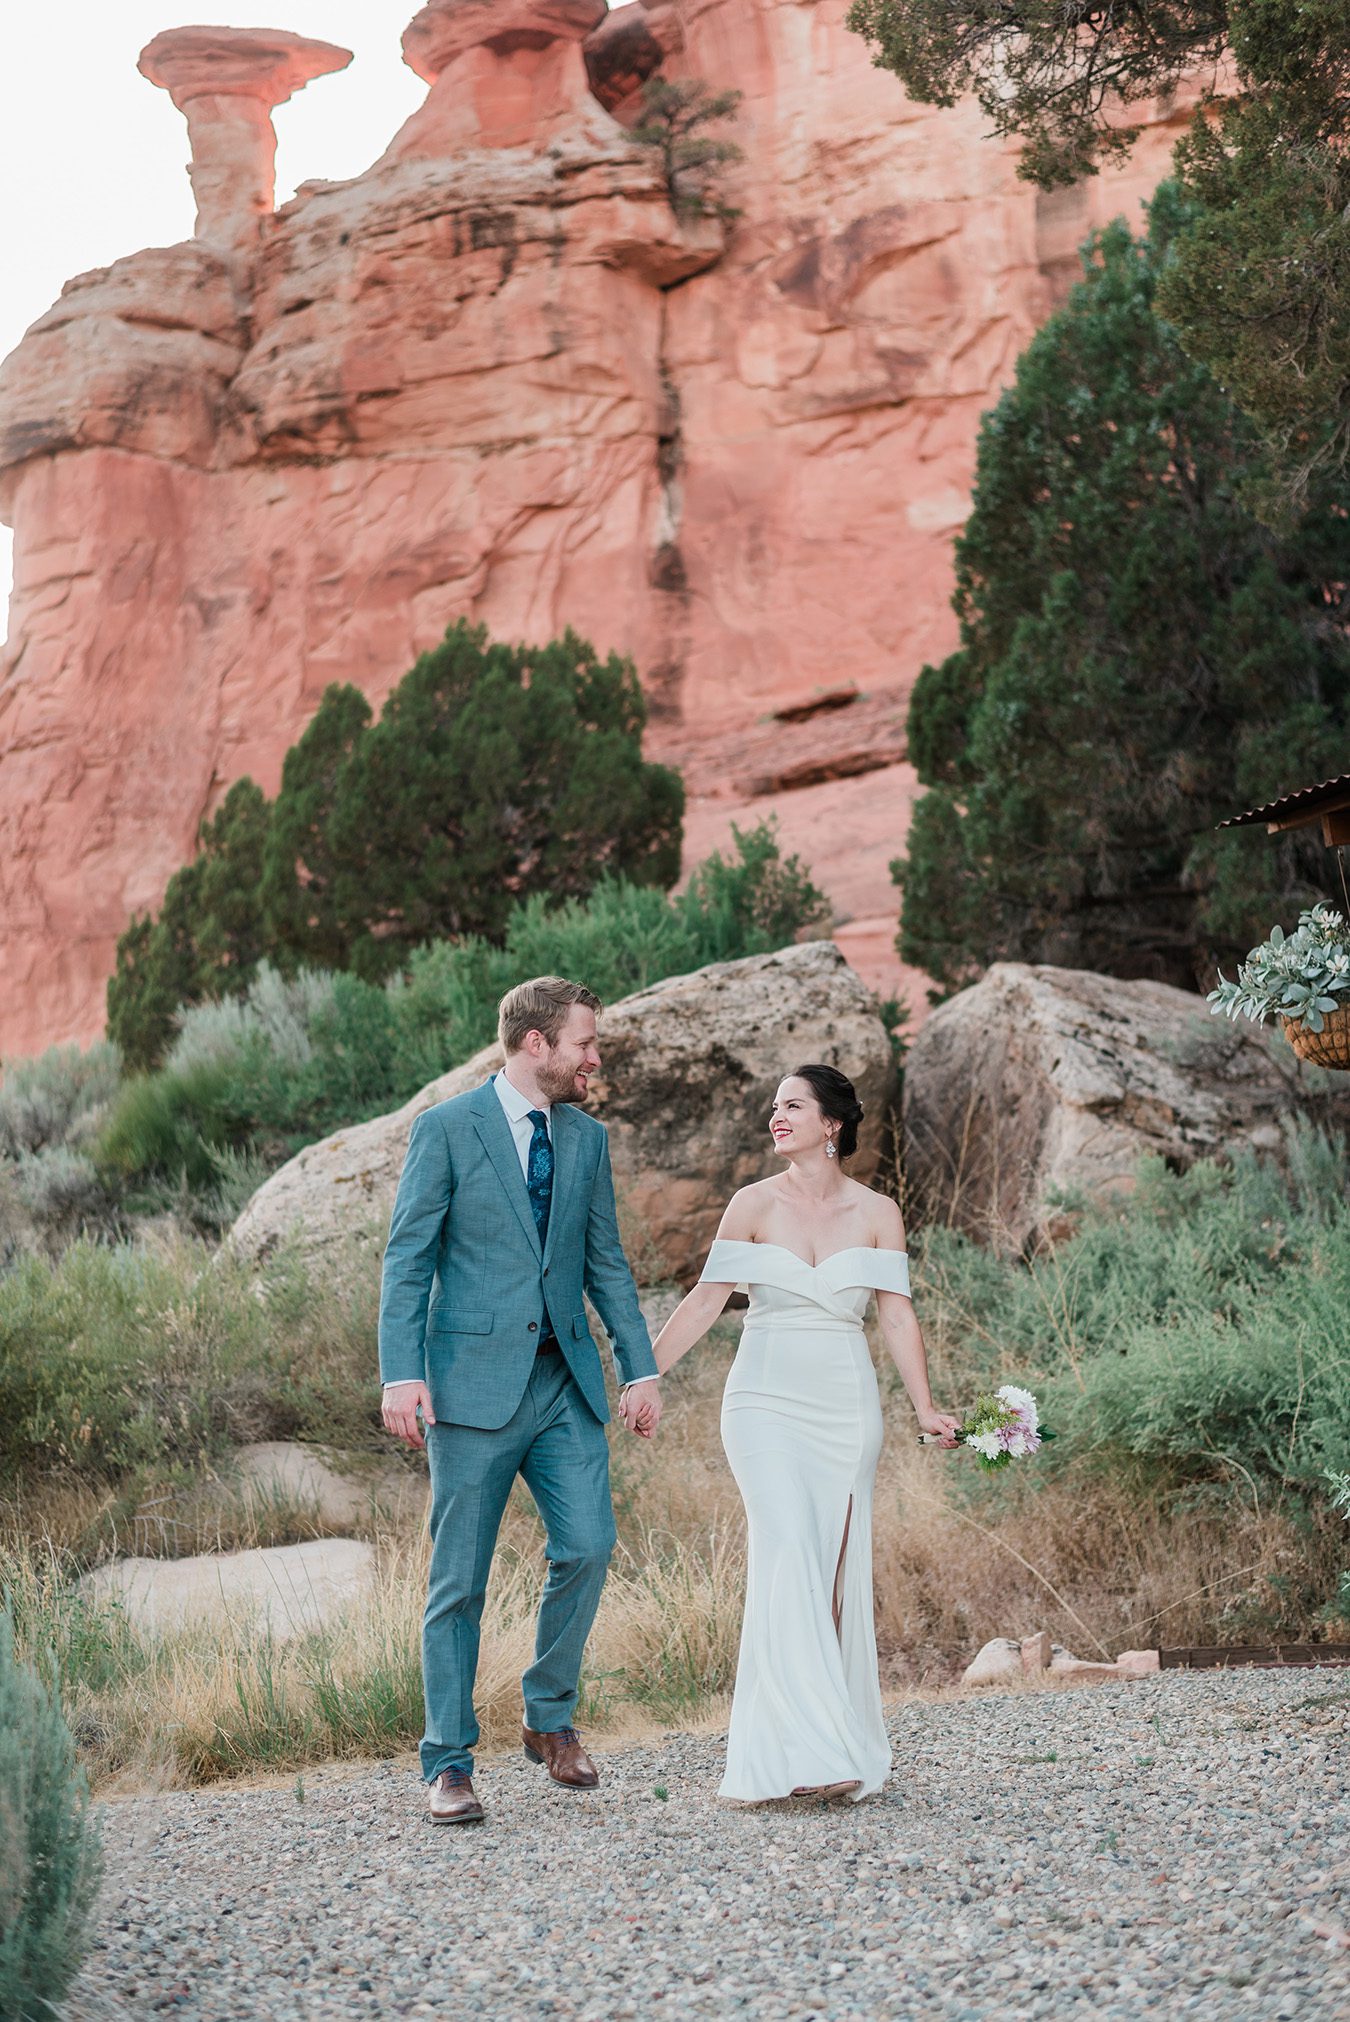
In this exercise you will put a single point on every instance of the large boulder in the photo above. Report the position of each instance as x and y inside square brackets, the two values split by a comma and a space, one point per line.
[282, 1590]
[690, 1066]
[1038, 1081]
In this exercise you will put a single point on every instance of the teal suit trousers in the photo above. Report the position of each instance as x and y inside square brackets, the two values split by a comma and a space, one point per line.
[558, 1446]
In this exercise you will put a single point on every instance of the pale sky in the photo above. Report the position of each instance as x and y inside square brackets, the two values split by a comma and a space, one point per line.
[93, 159]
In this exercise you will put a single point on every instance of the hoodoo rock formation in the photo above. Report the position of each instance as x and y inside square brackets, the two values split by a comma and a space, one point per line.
[498, 375]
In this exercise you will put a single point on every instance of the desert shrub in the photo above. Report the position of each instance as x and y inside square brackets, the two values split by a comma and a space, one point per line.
[51, 1108]
[122, 1364]
[50, 1862]
[171, 1123]
[54, 1101]
[751, 900]
[293, 1058]
[1195, 1331]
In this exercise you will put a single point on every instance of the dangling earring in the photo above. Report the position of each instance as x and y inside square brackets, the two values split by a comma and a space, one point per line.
[830, 1151]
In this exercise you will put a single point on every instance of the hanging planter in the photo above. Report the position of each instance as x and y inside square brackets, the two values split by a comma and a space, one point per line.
[1328, 1048]
[1302, 978]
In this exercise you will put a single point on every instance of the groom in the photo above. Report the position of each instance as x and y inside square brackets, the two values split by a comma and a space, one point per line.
[505, 1214]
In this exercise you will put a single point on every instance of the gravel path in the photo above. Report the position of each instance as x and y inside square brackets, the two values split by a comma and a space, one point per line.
[1175, 1847]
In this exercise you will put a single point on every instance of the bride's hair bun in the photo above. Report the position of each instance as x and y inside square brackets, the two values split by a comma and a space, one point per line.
[838, 1101]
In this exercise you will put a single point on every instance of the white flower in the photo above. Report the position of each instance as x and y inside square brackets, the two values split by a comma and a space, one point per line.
[987, 1443]
[1022, 1440]
[1022, 1402]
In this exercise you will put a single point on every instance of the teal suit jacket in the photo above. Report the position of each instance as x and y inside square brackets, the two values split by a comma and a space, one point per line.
[466, 1285]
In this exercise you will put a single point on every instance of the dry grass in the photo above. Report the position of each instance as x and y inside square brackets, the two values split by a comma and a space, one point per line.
[1102, 1562]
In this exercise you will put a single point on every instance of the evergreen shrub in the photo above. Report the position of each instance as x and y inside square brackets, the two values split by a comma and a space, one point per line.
[50, 1858]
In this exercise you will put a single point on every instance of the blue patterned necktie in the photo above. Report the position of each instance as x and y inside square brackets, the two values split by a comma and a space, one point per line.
[539, 1173]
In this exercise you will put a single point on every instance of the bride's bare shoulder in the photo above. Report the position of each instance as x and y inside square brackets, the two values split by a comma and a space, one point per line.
[743, 1211]
[885, 1222]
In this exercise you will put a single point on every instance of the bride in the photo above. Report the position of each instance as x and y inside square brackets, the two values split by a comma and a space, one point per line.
[801, 1423]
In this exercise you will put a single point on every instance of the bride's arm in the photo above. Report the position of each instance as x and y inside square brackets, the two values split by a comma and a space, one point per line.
[698, 1309]
[689, 1323]
[901, 1332]
[903, 1336]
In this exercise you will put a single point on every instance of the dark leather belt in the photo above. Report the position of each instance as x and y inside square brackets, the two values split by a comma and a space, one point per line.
[548, 1346]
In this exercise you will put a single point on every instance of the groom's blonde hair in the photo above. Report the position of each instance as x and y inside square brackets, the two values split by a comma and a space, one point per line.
[541, 1005]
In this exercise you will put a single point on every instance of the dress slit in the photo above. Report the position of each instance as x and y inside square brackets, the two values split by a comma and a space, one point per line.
[838, 1605]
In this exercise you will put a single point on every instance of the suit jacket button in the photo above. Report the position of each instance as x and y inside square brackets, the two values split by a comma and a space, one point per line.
[534, 1326]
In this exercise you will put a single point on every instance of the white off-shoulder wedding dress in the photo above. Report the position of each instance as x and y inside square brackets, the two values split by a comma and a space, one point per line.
[801, 1423]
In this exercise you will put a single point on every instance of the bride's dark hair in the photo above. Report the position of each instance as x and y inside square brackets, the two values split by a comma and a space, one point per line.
[838, 1100]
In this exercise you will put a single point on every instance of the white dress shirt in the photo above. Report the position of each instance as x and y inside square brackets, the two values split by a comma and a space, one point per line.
[518, 1107]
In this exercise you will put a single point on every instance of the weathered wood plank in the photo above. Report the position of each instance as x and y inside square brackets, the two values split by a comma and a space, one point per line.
[1217, 1656]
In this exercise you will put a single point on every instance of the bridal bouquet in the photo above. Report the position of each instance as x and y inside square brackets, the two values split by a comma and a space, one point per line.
[1004, 1426]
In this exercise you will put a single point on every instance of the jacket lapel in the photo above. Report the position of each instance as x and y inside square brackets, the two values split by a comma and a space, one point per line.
[495, 1135]
[564, 1165]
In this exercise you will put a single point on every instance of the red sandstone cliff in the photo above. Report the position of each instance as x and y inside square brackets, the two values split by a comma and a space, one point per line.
[495, 375]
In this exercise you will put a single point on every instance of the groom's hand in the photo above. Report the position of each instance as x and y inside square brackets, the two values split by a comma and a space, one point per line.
[640, 1407]
[402, 1402]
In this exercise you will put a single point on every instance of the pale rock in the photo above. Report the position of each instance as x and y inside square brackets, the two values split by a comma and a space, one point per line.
[690, 1069]
[1039, 1080]
[994, 1663]
[494, 376]
[1004, 1660]
[281, 1471]
[1139, 1663]
[281, 1590]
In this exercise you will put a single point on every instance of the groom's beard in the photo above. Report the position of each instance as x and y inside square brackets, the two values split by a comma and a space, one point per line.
[559, 1084]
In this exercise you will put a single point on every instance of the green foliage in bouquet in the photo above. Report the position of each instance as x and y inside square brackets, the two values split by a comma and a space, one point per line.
[1301, 976]
[495, 773]
[1139, 657]
[50, 1861]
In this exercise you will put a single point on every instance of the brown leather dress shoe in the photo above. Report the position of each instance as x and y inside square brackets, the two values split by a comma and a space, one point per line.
[452, 1801]
[568, 1762]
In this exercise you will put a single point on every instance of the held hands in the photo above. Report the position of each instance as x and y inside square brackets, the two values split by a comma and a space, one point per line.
[940, 1425]
[640, 1407]
[402, 1402]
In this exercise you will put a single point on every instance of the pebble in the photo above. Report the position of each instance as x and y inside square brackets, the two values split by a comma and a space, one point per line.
[1185, 1853]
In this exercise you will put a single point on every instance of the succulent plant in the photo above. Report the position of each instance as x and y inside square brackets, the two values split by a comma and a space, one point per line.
[1300, 976]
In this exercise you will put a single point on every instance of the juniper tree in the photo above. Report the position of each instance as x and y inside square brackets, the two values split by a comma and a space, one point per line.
[209, 936]
[1139, 657]
[495, 772]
